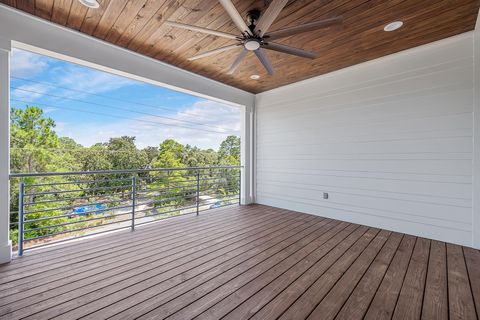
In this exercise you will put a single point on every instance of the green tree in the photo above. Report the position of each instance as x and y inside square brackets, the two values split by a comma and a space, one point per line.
[32, 139]
[229, 152]
[171, 155]
[125, 155]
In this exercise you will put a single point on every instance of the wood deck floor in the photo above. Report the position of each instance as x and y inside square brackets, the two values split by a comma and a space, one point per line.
[251, 262]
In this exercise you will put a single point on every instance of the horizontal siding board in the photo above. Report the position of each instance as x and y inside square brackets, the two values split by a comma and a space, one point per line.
[394, 223]
[390, 140]
[421, 189]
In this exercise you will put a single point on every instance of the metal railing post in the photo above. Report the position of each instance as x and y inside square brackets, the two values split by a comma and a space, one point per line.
[198, 193]
[21, 193]
[134, 199]
[240, 186]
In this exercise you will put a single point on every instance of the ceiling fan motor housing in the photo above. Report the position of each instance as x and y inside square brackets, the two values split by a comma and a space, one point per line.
[252, 44]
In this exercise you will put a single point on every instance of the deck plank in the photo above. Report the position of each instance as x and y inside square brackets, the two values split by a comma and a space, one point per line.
[271, 301]
[410, 301]
[357, 304]
[256, 275]
[317, 291]
[110, 284]
[168, 302]
[271, 286]
[461, 303]
[153, 262]
[435, 304]
[249, 262]
[385, 299]
[472, 259]
[331, 304]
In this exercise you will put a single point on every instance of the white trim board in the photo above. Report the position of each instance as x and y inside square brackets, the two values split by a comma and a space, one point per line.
[476, 137]
[37, 35]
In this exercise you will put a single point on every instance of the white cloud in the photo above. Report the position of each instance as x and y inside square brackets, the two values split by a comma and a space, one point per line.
[29, 92]
[89, 80]
[26, 64]
[223, 118]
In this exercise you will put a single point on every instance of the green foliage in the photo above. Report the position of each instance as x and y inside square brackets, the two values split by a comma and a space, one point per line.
[35, 147]
[229, 151]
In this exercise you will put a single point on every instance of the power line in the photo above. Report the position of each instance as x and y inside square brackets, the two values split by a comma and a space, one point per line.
[120, 117]
[115, 108]
[108, 97]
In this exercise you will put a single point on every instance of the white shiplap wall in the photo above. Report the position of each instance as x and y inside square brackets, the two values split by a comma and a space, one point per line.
[390, 140]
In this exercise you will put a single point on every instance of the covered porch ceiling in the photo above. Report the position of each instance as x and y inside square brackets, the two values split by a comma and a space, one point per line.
[140, 26]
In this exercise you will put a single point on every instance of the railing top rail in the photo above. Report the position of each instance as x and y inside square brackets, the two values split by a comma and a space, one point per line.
[76, 173]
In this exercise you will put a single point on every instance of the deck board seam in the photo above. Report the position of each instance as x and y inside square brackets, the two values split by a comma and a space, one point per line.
[326, 270]
[279, 262]
[346, 270]
[254, 257]
[301, 223]
[286, 221]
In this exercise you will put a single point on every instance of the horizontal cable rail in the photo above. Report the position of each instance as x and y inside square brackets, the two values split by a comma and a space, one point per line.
[60, 206]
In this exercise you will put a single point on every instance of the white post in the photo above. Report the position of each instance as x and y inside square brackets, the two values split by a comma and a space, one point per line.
[476, 137]
[5, 243]
[247, 154]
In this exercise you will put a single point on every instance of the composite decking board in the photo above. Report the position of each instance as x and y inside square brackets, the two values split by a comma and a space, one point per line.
[90, 245]
[264, 282]
[285, 289]
[252, 262]
[410, 300]
[314, 294]
[108, 266]
[109, 252]
[57, 299]
[223, 273]
[435, 304]
[127, 286]
[136, 265]
[386, 297]
[472, 259]
[172, 222]
[256, 275]
[100, 299]
[460, 299]
[331, 304]
[357, 303]
[165, 237]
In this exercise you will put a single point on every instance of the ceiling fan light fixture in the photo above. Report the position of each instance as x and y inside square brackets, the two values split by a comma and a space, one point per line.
[252, 45]
[254, 77]
[93, 4]
[392, 26]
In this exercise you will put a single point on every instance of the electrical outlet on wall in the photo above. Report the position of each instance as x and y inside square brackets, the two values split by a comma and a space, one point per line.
[325, 195]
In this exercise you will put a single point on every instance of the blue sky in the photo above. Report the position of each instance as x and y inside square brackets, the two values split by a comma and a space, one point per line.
[91, 106]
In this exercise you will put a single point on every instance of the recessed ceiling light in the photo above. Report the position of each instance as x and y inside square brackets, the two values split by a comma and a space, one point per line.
[90, 3]
[392, 26]
[254, 77]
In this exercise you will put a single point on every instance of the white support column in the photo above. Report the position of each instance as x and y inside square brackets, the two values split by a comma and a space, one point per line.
[247, 156]
[476, 137]
[5, 243]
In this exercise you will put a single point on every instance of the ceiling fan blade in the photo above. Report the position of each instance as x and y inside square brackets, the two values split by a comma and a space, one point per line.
[214, 51]
[303, 28]
[267, 18]
[200, 29]
[289, 50]
[264, 60]
[235, 16]
[237, 61]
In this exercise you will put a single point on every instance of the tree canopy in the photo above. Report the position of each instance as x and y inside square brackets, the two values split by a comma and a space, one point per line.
[36, 147]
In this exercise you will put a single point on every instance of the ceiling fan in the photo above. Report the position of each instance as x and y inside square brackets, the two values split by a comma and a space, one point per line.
[255, 36]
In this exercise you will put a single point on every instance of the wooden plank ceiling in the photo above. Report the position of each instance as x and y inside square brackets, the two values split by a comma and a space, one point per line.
[139, 26]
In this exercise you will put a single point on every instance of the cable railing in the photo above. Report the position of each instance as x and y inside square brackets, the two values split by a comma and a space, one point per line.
[56, 207]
